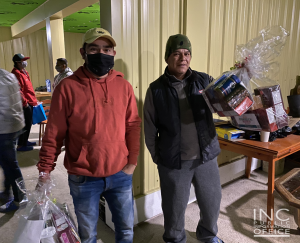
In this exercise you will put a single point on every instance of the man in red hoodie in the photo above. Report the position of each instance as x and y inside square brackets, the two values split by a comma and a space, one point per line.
[28, 99]
[95, 111]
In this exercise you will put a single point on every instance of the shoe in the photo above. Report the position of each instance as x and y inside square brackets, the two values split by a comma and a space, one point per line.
[31, 143]
[8, 207]
[25, 148]
[5, 198]
[24, 201]
[214, 240]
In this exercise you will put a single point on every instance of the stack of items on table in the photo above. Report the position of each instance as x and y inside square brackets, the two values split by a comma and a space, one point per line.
[247, 94]
[267, 112]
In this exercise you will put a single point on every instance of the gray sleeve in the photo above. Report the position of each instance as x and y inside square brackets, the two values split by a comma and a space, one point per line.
[150, 129]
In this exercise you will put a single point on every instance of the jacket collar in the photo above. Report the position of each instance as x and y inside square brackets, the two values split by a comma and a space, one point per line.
[169, 79]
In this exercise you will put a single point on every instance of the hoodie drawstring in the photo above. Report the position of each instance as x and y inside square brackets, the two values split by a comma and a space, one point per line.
[105, 92]
[95, 107]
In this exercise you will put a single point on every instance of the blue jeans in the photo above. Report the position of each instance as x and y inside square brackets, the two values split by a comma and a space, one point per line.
[9, 164]
[117, 191]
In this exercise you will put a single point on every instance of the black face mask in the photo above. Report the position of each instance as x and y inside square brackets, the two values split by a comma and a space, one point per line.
[100, 64]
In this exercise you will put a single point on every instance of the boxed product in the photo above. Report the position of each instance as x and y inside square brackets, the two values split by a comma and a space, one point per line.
[228, 96]
[266, 119]
[247, 121]
[271, 98]
[64, 228]
[229, 132]
[270, 95]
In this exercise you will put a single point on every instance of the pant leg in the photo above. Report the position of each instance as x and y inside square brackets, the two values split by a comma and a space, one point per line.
[28, 123]
[118, 195]
[9, 164]
[86, 192]
[175, 191]
[208, 192]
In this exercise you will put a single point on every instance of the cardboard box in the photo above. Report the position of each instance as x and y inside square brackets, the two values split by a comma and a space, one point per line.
[266, 119]
[247, 121]
[229, 132]
[270, 95]
[234, 102]
[282, 119]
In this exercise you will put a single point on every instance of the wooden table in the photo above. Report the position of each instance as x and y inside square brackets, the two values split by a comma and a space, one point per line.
[270, 152]
[288, 187]
[42, 95]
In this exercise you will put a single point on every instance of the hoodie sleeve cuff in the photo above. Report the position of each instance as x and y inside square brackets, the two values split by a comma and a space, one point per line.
[132, 159]
[45, 171]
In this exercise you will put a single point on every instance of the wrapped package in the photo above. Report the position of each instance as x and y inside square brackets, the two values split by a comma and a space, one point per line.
[44, 220]
[228, 96]
[249, 89]
[269, 111]
[257, 103]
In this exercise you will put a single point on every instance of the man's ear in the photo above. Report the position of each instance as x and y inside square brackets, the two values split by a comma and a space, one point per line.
[82, 52]
[115, 52]
[167, 60]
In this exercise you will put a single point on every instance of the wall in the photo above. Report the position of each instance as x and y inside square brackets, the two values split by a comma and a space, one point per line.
[141, 29]
[35, 46]
[215, 27]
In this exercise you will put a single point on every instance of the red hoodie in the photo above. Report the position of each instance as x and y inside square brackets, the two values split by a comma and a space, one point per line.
[99, 121]
[26, 88]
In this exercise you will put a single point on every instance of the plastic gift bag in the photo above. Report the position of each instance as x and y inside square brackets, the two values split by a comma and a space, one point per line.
[248, 93]
[44, 220]
[38, 114]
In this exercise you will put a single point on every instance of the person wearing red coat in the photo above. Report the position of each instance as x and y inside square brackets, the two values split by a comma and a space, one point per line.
[28, 99]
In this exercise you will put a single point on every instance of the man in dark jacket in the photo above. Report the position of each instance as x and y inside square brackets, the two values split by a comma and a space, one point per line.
[182, 140]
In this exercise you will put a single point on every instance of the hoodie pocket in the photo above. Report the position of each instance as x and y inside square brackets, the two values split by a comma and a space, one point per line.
[104, 156]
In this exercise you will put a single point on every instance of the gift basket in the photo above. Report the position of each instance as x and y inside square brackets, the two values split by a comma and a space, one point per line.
[248, 93]
[43, 220]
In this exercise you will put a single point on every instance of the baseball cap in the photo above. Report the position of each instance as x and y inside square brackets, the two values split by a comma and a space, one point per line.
[19, 57]
[93, 34]
[176, 42]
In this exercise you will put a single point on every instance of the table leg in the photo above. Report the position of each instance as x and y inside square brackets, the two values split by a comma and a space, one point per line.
[248, 167]
[298, 217]
[270, 201]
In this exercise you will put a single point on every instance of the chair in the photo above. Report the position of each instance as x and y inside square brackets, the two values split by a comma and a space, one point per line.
[46, 106]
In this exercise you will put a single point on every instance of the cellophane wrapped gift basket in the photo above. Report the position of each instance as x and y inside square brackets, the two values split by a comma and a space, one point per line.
[248, 93]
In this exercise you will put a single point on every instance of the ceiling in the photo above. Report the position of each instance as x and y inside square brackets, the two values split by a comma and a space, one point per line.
[12, 11]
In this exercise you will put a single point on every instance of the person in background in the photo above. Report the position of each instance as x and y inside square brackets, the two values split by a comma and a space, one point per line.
[28, 99]
[182, 140]
[12, 123]
[63, 69]
[95, 111]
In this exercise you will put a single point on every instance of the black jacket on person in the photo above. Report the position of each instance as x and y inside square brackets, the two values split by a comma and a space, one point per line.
[166, 104]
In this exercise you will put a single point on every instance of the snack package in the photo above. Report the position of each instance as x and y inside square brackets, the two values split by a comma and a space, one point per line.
[249, 88]
[228, 95]
[43, 220]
